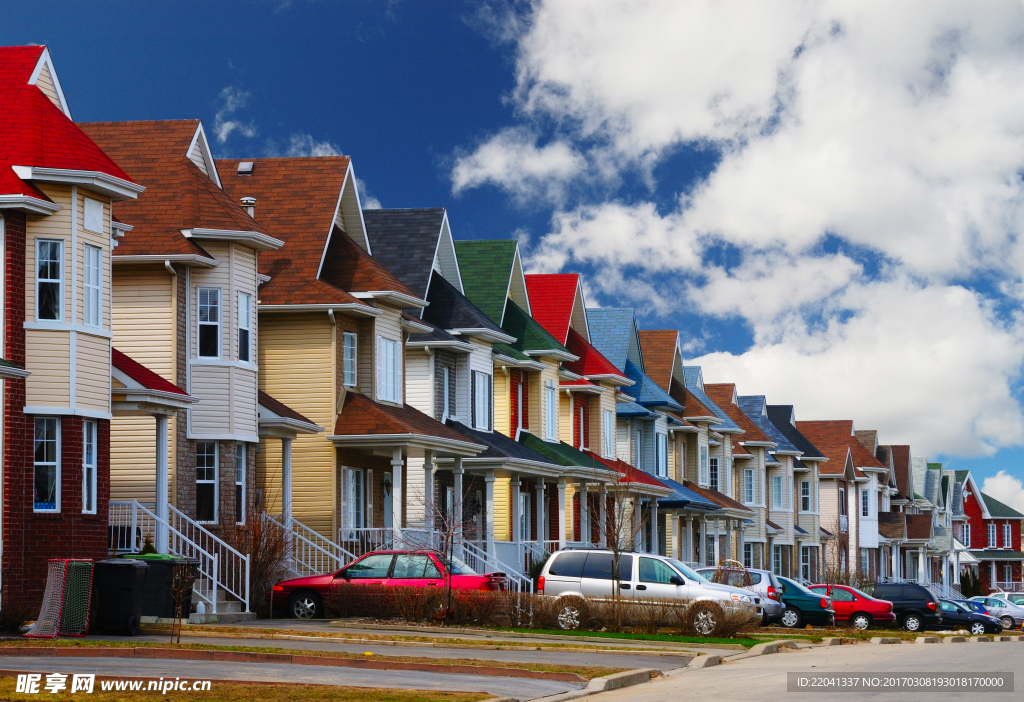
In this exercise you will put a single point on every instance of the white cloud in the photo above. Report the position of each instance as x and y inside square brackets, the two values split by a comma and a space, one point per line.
[366, 198]
[895, 129]
[306, 145]
[1005, 488]
[232, 99]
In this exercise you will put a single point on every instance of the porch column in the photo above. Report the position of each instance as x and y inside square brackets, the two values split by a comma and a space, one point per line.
[718, 542]
[514, 512]
[742, 542]
[895, 560]
[728, 538]
[489, 483]
[456, 528]
[655, 541]
[956, 567]
[991, 576]
[922, 576]
[945, 572]
[584, 534]
[602, 515]
[286, 494]
[161, 483]
[688, 541]
[637, 524]
[428, 491]
[396, 492]
[542, 534]
[561, 513]
[703, 545]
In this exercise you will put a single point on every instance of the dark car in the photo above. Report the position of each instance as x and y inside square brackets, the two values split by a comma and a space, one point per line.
[955, 615]
[801, 606]
[915, 607]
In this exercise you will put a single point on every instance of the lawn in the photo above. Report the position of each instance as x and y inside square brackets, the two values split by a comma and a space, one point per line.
[247, 692]
[638, 637]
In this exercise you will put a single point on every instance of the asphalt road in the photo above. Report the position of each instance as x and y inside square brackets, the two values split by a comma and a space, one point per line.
[521, 688]
[607, 660]
[764, 678]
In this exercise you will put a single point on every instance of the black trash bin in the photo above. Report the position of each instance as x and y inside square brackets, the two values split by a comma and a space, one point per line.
[119, 585]
[158, 594]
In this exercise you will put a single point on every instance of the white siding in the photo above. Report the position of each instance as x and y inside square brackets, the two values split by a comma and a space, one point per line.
[419, 381]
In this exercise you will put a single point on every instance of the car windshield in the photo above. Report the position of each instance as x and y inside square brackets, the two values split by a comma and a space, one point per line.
[458, 567]
[859, 593]
[687, 571]
[956, 605]
[792, 584]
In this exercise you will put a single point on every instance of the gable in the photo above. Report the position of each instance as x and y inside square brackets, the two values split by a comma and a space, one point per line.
[578, 319]
[446, 262]
[348, 215]
[557, 302]
[517, 284]
[199, 154]
[44, 77]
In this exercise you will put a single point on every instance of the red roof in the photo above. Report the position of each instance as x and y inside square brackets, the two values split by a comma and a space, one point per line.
[629, 473]
[659, 347]
[579, 382]
[36, 132]
[835, 438]
[591, 361]
[552, 296]
[142, 375]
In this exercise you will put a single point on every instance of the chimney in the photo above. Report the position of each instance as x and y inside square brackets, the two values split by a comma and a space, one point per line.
[249, 205]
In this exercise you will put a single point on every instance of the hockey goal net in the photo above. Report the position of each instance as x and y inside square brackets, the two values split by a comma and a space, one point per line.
[66, 600]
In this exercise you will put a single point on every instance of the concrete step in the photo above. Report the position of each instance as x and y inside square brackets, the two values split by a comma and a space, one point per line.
[221, 618]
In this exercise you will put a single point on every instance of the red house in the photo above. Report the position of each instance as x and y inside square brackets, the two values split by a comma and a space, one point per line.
[991, 530]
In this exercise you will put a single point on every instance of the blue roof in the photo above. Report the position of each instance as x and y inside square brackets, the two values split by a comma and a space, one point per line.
[646, 391]
[632, 409]
[695, 384]
[611, 332]
[685, 497]
[798, 529]
[756, 407]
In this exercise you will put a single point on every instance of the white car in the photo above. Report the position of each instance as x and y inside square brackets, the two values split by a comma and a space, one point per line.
[586, 574]
[1011, 615]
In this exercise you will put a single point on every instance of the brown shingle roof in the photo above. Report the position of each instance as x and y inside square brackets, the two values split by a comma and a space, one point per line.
[722, 395]
[178, 195]
[919, 526]
[835, 438]
[717, 497]
[281, 409]
[349, 267]
[892, 525]
[659, 349]
[362, 416]
[296, 199]
[901, 468]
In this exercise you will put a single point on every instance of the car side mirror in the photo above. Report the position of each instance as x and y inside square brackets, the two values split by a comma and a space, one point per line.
[343, 573]
[676, 580]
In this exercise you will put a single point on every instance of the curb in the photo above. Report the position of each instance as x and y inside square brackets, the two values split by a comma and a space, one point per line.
[980, 639]
[955, 639]
[616, 681]
[882, 640]
[251, 657]
[704, 662]
[1002, 638]
[831, 641]
[928, 639]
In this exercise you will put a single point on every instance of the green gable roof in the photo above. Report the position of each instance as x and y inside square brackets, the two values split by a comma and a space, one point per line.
[961, 475]
[486, 267]
[530, 336]
[7, 364]
[998, 509]
[506, 350]
[560, 453]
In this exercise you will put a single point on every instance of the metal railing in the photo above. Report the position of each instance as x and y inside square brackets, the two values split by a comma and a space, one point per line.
[479, 560]
[1008, 586]
[948, 592]
[233, 575]
[129, 522]
[307, 551]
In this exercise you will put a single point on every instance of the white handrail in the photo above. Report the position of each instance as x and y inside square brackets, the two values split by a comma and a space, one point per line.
[233, 573]
[309, 557]
[140, 522]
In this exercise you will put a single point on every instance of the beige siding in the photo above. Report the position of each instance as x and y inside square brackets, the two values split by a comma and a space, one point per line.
[297, 368]
[463, 411]
[48, 356]
[56, 227]
[388, 326]
[211, 386]
[133, 458]
[502, 509]
[419, 381]
[92, 374]
[44, 81]
[565, 409]
[145, 319]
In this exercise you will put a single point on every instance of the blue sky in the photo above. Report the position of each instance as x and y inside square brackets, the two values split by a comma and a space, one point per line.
[642, 165]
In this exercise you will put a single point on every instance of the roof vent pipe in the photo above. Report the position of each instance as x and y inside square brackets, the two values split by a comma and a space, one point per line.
[249, 205]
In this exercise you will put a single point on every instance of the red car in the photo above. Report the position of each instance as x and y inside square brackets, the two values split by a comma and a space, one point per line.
[303, 598]
[856, 608]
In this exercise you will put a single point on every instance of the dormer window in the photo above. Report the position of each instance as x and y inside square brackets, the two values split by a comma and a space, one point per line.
[49, 279]
[702, 465]
[349, 347]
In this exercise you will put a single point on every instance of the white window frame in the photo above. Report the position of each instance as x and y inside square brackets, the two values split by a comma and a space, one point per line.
[482, 400]
[805, 496]
[550, 411]
[59, 280]
[748, 555]
[200, 324]
[350, 359]
[865, 503]
[90, 215]
[842, 502]
[777, 559]
[519, 400]
[777, 489]
[355, 499]
[389, 363]
[90, 449]
[1007, 536]
[525, 517]
[583, 430]
[609, 434]
[714, 473]
[245, 325]
[965, 534]
[207, 481]
[92, 286]
[702, 460]
[748, 486]
[1007, 573]
[241, 468]
[55, 463]
[992, 543]
[446, 394]
[661, 442]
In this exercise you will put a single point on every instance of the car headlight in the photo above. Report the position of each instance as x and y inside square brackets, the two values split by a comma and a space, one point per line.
[740, 598]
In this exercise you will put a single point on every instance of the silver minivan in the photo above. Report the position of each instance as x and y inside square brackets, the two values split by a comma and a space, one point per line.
[762, 582]
[587, 574]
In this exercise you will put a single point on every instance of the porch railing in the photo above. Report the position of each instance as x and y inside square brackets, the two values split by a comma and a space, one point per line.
[1007, 586]
[307, 551]
[130, 522]
[948, 592]
[233, 575]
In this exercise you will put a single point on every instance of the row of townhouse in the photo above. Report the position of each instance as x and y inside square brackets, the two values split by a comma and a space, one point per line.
[195, 347]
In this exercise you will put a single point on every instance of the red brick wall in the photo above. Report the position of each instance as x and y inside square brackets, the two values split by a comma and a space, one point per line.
[580, 402]
[517, 378]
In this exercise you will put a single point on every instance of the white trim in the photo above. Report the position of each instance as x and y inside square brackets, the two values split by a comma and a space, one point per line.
[219, 324]
[222, 363]
[47, 61]
[252, 239]
[445, 224]
[247, 305]
[488, 335]
[47, 325]
[87, 286]
[67, 412]
[194, 259]
[59, 279]
[206, 481]
[111, 186]
[415, 327]
[334, 218]
[200, 136]
[90, 485]
[248, 438]
[57, 462]
[355, 308]
[390, 296]
[29, 203]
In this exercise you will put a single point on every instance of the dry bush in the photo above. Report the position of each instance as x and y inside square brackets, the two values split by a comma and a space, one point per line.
[513, 609]
[473, 608]
[370, 601]
[737, 617]
[545, 612]
[264, 543]
[13, 614]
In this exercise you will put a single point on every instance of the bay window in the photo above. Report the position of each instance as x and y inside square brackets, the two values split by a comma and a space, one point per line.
[389, 361]
[209, 322]
[609, 434]
[776, 492]
[748, 486]
[349, 347]
[481, 401]
[49, 280]
[92, 314]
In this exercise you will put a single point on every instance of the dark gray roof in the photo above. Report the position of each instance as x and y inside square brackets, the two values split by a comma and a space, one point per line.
[756, 407]
[435, 334]
[450, 309]
[498, 445]
[781, 416]
[405, 242]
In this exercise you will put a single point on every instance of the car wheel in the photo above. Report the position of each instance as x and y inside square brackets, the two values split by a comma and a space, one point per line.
[912, 622]
[705, 618]
[791, 618]
[570, 616]
[977, 628]
[1007, 622]
[861, 621]
[306, 605]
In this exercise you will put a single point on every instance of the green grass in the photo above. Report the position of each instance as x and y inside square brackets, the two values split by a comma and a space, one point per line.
[635, 637]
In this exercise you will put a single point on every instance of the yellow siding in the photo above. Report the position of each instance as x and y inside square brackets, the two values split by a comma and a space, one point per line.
[44, 81]
[55, 226]
[133, 458]
[48, 356]
[297, 368]
[502, 509]
[92, 373]
[145, 318]
[565, 407]
[502, 397]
